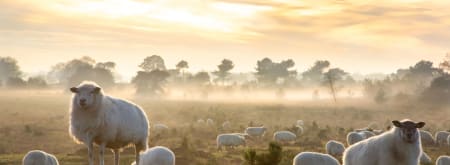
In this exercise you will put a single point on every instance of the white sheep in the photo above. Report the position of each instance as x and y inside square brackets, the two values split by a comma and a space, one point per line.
[398, 146]
[229, 140]
[426, 138]
[210, 122]
[300, 123]
[443, 160]
[299, 130]
[425, 159]
[226, 125]
[334, 148]
[284, 136]
[160, 129]
[354, 137]
[441, 137]
[256, 131]
[37, 157]
[106, 121]
[314, 158]
[157, 156]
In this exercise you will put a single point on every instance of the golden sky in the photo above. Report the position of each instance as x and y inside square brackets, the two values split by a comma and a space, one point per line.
[356, 35]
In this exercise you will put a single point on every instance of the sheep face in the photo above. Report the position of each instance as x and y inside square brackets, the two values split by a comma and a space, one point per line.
[85, 96]
[408, 130]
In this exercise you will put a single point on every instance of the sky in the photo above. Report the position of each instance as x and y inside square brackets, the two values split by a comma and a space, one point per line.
[360, 36]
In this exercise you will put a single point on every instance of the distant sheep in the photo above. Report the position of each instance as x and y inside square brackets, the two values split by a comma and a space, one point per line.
[354, 137]
[284, 136]
[334, 148]
[426, 138]
[229, 140]
[256, 131]
[106, 121]
[299, 130]
[443, 160]
[226, 125]
[300, 123]
[160, 129]
[441, 137]
[314, 158]
[425, 159]
[157, 156]
[37, 157]
[210, 122]
[400, 145]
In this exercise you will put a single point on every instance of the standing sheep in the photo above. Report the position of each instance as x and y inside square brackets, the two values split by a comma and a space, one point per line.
[300, 123]
[256, 131]
[106, 121]
[157, 156]
[226, 125]
[441, 137]
[354, 137]
[425, 159]
[37, 157]
[334, 148]
[284, 136]
[230, 140]
[314, 158]
[210, 122]
[443, 160]
[299, 130]
[426, 138]
[398, 146]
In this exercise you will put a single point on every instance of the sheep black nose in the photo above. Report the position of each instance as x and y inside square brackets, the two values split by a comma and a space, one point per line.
[82, 100]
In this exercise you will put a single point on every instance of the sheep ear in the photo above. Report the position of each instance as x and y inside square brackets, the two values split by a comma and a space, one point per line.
[397, 123]
[74, 90]
[97, 90]
[420, 124]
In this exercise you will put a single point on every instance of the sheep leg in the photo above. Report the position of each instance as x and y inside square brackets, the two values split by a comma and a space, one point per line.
[116, 156]
[90, 153]
[138, 149]
[102, 153]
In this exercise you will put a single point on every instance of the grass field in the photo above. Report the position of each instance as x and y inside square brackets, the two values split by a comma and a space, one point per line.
[39, 120]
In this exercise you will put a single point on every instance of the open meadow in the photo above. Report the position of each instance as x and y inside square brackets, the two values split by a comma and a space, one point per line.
[39, 120]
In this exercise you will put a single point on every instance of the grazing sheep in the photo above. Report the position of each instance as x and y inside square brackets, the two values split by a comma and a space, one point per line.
[299, 130]
[443, 160]
[210, 122]
[160, 129]
[398, 146]
[354, 137]
[106, 121]
[334, 148]
[157, 156]
[425, 159]
[256, 131]
[284, 136]
[426, 138]
[300, 123]
[226, 125]
[37, 157]
[441, 137]
[229, 140]
[314, 158]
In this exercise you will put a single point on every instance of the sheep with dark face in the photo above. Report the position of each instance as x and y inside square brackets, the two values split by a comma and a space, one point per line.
[106, 121]
[399, 146]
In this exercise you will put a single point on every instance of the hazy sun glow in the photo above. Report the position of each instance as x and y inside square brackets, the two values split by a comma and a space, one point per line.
[349, 33]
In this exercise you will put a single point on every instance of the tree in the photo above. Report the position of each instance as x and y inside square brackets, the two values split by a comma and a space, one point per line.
[445, 65]
[75, 71]
[15, 82]
[224, 67]
[331, 77]
[8, 69]
[315, 73]
[201, 78]
[270, 72]
[152, 63]
[37, 82]
[182, 66]
[380, 97]
[150, 82]
[438, 93]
